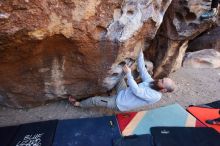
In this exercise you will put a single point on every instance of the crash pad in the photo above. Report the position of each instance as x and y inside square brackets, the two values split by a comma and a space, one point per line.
[6, 134]
[87, 132]
[185, 136]
[140, 122]
[215, 104]
[134, 140]
[204, 113]
[35, 134]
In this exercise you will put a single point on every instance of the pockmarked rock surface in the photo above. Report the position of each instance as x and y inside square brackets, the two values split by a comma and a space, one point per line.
[181, 24]
[50, 49]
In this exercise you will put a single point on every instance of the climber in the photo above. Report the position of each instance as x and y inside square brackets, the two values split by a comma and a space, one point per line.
[132, 97]
[212, 12]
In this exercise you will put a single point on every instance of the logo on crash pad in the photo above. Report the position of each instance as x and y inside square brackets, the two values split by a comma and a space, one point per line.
[31, 140]
[165, 132]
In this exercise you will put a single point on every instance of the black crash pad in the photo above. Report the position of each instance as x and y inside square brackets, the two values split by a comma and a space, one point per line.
[35, 134]
[6, 134]
[185, 136]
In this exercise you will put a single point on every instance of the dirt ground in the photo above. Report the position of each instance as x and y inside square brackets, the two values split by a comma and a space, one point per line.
[194, 86]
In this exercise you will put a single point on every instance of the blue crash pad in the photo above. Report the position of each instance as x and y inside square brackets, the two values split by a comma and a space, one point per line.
[35, 134]
[134, 140]
[87, 132]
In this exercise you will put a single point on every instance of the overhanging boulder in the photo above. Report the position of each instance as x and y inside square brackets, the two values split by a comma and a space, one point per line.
[50, 49]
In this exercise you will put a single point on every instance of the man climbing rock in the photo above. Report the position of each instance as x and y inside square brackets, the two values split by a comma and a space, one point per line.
[212, 12]
[132, 97]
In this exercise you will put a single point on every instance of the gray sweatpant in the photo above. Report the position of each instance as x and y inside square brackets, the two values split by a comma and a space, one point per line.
[104, 101]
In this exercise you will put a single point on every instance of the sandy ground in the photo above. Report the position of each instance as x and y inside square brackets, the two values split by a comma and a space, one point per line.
[194, 86]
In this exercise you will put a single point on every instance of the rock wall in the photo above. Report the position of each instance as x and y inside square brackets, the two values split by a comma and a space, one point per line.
[208, 40]
[180, 25]
[52, 48]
